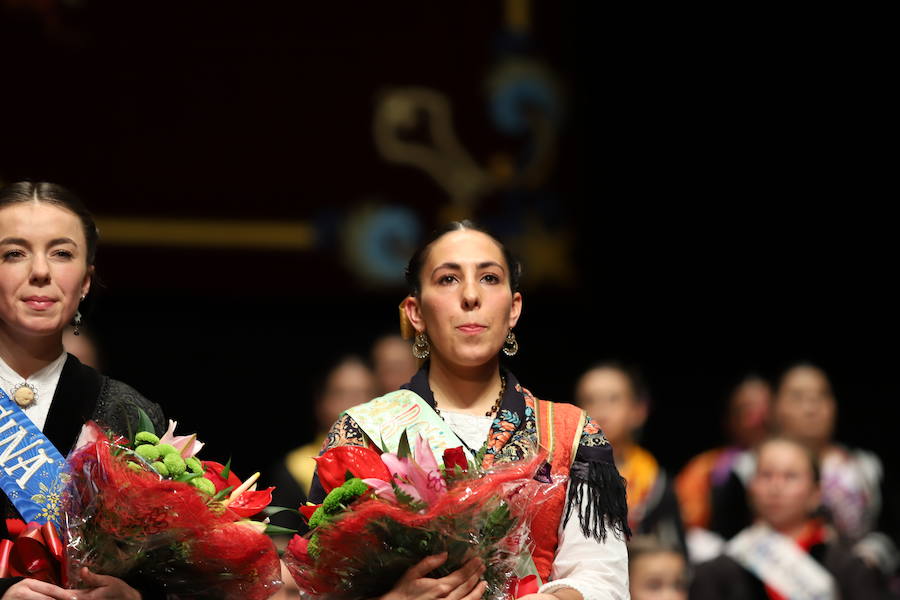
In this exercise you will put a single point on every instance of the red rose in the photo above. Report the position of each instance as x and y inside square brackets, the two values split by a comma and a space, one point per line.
[454, 457]
[297, 547]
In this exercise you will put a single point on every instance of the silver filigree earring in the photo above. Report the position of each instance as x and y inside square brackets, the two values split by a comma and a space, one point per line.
[510, 346]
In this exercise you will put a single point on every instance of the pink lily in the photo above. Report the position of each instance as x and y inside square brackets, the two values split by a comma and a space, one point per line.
[187, 445]
[420, 478]
[428, 476]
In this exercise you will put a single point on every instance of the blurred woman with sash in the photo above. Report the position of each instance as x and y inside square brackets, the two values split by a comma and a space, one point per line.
[462, 308]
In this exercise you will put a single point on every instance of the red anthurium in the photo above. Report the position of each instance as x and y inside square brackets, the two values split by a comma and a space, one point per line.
[364, 463]
[455, 456]
[250, 503]
[308, 510]
[214, 473]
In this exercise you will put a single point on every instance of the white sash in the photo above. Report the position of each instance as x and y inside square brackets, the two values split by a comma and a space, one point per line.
[781, 564]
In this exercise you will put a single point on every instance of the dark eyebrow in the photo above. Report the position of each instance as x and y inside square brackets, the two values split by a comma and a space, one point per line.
[456, 267]
[490, 263]
[14, 241]
[62, 240]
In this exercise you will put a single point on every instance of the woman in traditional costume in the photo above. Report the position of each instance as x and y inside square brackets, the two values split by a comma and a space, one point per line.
[789, 552]
[462, 308]
[47, 245]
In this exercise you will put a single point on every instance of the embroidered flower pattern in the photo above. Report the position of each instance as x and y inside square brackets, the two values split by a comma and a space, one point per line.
[592, 435]
[49, 498]
[508, 441]
[345, 432]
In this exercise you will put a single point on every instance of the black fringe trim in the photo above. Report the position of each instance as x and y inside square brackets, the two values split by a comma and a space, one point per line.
[598, 492]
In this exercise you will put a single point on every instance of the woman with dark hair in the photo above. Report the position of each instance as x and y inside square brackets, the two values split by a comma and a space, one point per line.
[48, 241]
[462, 307]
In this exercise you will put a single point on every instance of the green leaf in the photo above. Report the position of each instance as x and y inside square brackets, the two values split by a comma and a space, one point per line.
[407, 500]
[187, 476]
[223, 494]
[270, 511]
[403, 450]
[226, 471]
[144, 422]
[278, 530]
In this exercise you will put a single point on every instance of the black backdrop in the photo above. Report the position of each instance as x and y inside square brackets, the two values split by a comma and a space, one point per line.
[722, 180]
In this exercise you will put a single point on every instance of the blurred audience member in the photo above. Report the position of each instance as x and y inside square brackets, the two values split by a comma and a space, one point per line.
[788, 553]
[805, 409]
[392, 362]
[348, 383]
[82, 346]
[746, 423]
[656, 571]
[615, 397]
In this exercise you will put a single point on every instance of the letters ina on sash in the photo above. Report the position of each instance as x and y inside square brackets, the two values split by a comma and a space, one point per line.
[32, 470]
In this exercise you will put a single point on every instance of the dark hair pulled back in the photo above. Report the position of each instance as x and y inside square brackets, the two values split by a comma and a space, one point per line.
[57, 195]
[417, 261]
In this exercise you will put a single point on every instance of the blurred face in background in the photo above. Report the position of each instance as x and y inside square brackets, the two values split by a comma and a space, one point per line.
[43, 268]
[749, 412]
[348, 384]
[606, 394]
[393, 363]
[805, 407]
[783, 490]
[658, 576]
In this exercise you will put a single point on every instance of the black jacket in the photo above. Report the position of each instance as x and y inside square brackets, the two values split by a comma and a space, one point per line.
[83, 394]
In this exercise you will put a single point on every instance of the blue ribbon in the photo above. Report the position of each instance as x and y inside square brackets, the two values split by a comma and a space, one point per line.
[32, 471]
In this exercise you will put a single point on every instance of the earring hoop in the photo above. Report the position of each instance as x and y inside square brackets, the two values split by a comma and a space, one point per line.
[422, 347]
[510, 346]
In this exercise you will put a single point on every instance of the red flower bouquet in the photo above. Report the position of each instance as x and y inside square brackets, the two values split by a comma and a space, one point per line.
[153, 514]
[384, 513]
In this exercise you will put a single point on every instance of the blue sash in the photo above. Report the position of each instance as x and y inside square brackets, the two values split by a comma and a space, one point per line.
[31, 469]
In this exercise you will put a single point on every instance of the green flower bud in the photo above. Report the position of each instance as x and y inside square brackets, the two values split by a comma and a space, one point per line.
[193, 465]
[134, 466]
[145, 437]
[204, 485]
[161, 468]
[147, 452]
[166, 449]
[339, 498]
[175, 464]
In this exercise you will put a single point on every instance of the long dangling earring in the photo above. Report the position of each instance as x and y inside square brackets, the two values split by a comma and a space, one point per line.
[76, 321]
[510, 346]
[421, 348]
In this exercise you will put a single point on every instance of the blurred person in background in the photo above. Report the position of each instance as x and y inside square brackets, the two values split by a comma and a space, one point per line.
[656, 571]
[746, 423]
[348, 383]
[615, 396]
[462, 307]
[853, 493]
[392, 362]
[789, 552]
[48, 242]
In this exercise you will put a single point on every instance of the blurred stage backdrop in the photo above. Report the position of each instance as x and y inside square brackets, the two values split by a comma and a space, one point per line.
[683, 197]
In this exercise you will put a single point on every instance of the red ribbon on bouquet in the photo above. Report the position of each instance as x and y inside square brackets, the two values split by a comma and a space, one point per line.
[522, 587]
[37, 553]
